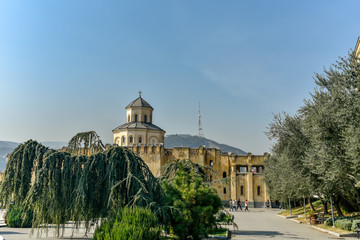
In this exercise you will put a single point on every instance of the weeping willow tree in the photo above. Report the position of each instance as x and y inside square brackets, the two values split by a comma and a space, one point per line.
[169, 170]
[57, 187]
[85, 143]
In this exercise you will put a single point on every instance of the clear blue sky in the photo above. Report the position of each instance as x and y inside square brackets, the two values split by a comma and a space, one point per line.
[72, 66]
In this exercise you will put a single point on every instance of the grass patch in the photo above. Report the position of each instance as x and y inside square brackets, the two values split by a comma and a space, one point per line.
[218, 232]
[333, 229]
[299, 210]
[318, 209]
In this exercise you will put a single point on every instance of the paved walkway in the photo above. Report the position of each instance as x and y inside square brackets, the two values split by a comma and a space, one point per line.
[24, 233]
[254, 225]
[262, 224]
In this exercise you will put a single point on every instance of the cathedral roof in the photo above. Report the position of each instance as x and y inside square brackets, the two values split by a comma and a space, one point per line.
[138, 125]
[139, 102]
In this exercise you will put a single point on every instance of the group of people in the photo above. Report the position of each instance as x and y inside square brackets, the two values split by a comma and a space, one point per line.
[235, 205]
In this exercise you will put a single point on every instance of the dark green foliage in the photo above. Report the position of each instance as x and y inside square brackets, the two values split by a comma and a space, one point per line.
[354, 225]
[223, 217]
[16, 217]
[286, 175]
[328, 222]
[344, 224]
[170, 170]
[193, 204]
[85, 143]
[316, 152]
[78, 188]
[17, 174]
[131, 223]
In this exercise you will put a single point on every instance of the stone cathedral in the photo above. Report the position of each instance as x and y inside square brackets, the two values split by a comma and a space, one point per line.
[244, 174]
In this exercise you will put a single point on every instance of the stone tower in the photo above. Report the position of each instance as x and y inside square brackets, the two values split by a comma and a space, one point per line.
[138, 128]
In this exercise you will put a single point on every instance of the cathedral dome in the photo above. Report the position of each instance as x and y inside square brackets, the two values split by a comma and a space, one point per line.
[139, 102]
[138, 128]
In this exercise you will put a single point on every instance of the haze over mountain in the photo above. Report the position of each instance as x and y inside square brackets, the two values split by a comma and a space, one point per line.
[186, 140]
[7, 147]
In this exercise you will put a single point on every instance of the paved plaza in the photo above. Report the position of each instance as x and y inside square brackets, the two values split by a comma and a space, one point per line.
[260, 224]
[24, 233]
[256, 224]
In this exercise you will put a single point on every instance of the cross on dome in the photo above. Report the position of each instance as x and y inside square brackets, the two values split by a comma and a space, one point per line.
[140, 93]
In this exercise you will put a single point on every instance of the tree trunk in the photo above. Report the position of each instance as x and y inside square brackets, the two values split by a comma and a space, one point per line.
[337, 206]
[311, 205]
[295, 203]
[324, 203]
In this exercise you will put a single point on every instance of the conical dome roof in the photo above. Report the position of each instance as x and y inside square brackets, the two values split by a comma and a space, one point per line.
[139, 102]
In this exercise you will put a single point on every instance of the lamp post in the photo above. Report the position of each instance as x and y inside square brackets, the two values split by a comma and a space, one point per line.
[290, 205]
[332, 212]
[305, 207]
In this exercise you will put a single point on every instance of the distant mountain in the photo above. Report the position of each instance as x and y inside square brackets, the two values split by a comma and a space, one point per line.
[8, 147]
[186, 140]
[5, 149]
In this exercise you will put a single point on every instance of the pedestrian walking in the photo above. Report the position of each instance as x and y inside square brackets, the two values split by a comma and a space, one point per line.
[239, 204]
[234, 205]
[246, 205]
[267, 204]
[230, 205]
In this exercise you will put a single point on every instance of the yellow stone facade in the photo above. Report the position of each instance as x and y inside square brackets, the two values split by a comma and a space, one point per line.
[238, 177]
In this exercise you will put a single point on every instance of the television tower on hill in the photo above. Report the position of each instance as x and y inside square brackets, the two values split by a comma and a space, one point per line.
[201, 133]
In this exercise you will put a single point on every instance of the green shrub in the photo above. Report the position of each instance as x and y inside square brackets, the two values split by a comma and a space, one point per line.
[17, 217]
[193, 204]
[354, 226]
[131, 223]
[344, 224]
[328, 221]
[223, 217]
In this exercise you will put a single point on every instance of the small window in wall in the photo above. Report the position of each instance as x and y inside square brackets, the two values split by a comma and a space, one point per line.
[241, 169]
[242, 190]
[210, 178]
[140, 139]
[136, 117]
[224, 190]
[211, 163]
[145, 118]
[257, 169]
[224, 174]
[258, 190]
[129, 118]
[131, 139]
[123, 139]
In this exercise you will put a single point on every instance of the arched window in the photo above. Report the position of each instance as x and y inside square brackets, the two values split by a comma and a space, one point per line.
[210, 178]
[131, 139]
[136, 117]
[258, 190]
[140, 139]
[123, 139]
[242, 190]
[224, 190]
[211, 163]
[145, 118]
[224, 174]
